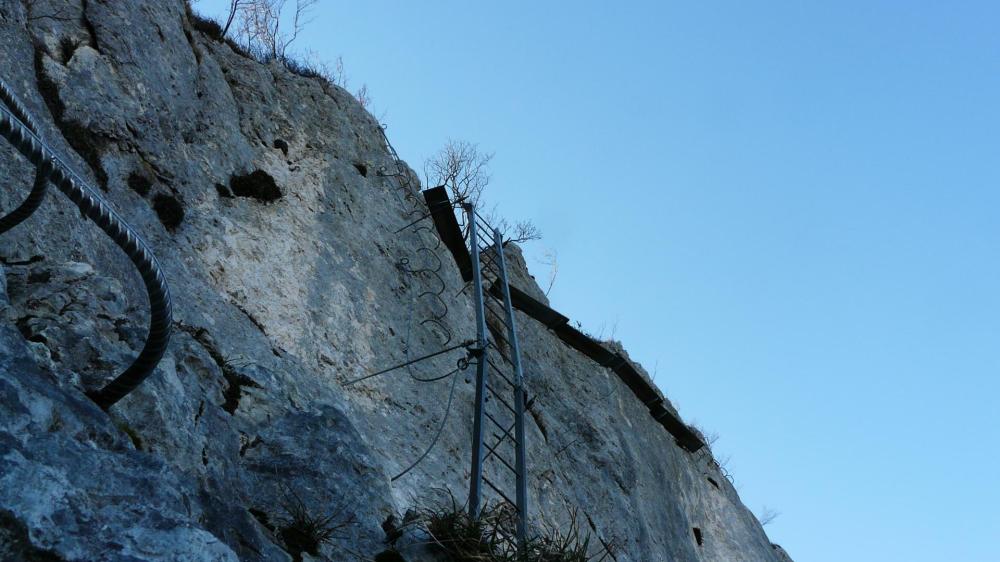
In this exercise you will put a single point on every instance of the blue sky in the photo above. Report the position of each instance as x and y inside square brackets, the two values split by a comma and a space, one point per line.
[790, 209]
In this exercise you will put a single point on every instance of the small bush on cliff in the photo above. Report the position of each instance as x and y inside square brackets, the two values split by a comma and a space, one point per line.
[465, 171]
[490, 537]
[303, 530]
[264, 30]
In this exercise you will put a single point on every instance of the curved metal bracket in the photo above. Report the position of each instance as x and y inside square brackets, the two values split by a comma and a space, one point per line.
[53, 169]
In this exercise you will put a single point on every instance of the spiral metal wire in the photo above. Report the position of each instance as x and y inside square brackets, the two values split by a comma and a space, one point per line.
[434, 294]
[22, 135]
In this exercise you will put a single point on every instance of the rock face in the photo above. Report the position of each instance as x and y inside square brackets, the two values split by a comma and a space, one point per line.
[273, 204]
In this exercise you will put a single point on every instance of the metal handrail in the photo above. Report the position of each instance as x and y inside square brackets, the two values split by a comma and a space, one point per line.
[22, 135]
[37, 194]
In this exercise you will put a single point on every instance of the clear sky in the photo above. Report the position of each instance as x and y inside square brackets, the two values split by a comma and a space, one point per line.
[789, 209]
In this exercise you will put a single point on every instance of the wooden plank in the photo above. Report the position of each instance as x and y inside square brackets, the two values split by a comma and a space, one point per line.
[530, 306]
[447, 226]
[686, 438]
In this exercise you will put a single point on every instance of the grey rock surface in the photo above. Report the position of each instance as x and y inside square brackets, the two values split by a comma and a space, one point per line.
[269, 200]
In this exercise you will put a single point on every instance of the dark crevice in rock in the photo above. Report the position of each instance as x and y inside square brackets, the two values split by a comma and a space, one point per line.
[15, 542]
[609, 548]
[697, 536]
[234, 391]
[713, 482]
[121, 331]
[389, 556]
[140, 183]
[236, 380]
[190, 39]
[39, 276]
[169, 210]
[132, 434]
[391, 529]
[88, 144]
[28, 333]
[257, 185]
[362, 169]
[246, 443]
[88, 25]
[250, 317]
[223, 191]
[29, 261]
[281, 145]
[262, 518]
[67, 47]
[537, 416]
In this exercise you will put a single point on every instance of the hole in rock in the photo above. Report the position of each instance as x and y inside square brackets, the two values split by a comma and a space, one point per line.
[140, 183]
[169, 209]
[257, 185]
[389, 556]
[223, 191]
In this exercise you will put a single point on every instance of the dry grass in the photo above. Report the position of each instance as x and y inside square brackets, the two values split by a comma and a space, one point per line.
[490, 537]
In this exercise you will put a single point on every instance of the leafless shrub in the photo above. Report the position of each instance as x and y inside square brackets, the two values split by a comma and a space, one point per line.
[263, 27]
[519, 232]
[550, 260]
[363, 97]
[462, 168]
[767, 516]
[234, 8]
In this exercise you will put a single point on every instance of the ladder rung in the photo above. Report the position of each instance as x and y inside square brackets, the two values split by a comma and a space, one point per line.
[498, 318]
[485, 257]
[500, 426]
[493, 453]
[498, 397]
[499, 300]
[497, 490]
[499, 372]
[500, 351]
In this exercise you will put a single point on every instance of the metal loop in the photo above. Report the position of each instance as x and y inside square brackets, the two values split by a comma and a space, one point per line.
[97, 210]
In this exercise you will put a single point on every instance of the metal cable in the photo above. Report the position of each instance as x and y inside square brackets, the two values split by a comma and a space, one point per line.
[464, 344]
[37, 193]
[444, 420]
[405, 185]
[93, 207]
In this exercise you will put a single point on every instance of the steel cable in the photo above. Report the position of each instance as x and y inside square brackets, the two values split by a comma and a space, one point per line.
[37, 193]
[405, 184]
[440, 429]
[94, 208]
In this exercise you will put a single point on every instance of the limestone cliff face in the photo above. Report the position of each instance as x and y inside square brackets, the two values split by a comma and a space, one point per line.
[265, 197]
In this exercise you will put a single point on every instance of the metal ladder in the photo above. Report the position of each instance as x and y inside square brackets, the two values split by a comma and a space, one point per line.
[498, 365]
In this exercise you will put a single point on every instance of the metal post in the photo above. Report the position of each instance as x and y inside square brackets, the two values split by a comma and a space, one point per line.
[520, 462]
[476, 480]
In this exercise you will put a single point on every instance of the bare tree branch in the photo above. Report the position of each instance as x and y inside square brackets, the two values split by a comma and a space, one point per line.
[551, 260]
[767, 516]
[462, 168]
[519, 232]
[260, 24]
[234, 8]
